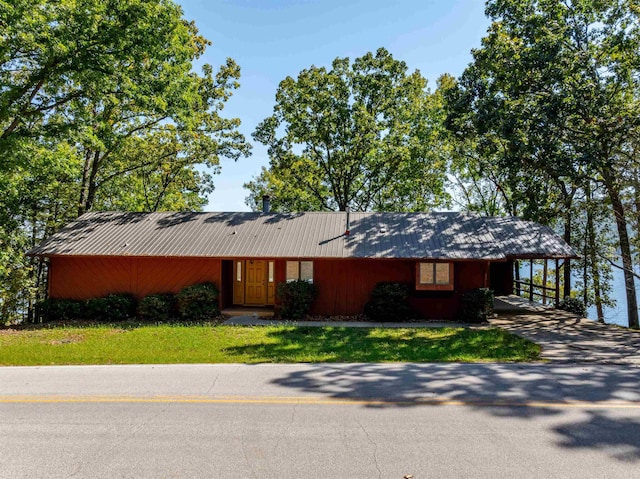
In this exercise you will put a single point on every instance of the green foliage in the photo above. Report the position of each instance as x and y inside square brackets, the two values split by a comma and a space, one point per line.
[549, 106]
[389, 302]
[156, 307]
[198, 302]
[54, 309]
[114, 307]
[295, 298]
[101, 108]
[573, 305]
[361, 134]
[476, 305]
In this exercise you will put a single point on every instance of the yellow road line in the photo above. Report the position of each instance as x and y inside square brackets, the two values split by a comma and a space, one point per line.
[8, 399]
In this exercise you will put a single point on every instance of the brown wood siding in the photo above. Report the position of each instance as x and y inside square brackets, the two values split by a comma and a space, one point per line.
[90, 277]
[344, 286]
[470, 275]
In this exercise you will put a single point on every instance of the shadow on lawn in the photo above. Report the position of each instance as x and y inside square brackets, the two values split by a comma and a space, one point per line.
[335, 344]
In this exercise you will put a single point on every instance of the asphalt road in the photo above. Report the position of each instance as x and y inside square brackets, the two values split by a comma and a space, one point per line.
[321, 421]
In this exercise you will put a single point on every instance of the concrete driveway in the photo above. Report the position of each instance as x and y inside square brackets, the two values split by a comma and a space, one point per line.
[565, 337]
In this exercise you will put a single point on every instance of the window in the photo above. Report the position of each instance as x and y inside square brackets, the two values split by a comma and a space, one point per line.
[300, 270]
[239, 271]
[271, 271]
[436, 276]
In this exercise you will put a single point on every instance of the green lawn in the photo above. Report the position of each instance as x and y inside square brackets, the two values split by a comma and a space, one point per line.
[272, 344]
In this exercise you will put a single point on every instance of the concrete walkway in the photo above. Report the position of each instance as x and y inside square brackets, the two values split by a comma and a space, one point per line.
[565, 337]
[516, 305]
[253, 321]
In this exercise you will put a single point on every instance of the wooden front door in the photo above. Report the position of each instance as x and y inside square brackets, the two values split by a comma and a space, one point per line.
[255, 285]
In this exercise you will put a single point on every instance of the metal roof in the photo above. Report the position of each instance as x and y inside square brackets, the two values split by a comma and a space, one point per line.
[305, 235]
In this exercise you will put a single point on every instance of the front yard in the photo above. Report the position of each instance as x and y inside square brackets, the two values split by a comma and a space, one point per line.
[155, 344]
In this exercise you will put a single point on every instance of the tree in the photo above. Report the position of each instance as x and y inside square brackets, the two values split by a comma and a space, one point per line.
[553, 93]
[156, 172]
[360, 135]
[100, 107]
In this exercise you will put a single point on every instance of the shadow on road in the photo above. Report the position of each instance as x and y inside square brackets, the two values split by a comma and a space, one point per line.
[527, 392]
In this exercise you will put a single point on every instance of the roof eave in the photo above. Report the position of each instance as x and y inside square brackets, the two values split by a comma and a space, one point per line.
[538, 256]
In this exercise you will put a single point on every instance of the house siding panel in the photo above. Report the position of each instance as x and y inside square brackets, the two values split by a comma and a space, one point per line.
[170, 275]
[344, 286]
[90, 277]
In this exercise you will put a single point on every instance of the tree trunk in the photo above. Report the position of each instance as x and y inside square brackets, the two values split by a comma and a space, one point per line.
[566, 292]
[590, 245]
[95, 166]
[625, 252]
[84, 186]
[92, 162]
[636, 197]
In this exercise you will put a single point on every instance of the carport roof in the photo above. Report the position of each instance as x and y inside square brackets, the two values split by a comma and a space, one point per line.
[438, 236]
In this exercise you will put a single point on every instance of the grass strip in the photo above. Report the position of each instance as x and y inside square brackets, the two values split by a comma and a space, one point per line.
[167, 344]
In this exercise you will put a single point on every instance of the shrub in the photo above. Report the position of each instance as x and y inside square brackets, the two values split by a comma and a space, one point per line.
[389, 302]
[573, 305]
[54, 309]
[476, 305]
[198, 302]
[114, 307]
[295, 298]
[156, 307]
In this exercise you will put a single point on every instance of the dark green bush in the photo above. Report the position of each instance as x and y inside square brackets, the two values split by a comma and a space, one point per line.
[389, 302]
[295, 298]
[198, 302]
[114, 307]
[573, 305]
[54, 309]
[476, 305]
[156, 307]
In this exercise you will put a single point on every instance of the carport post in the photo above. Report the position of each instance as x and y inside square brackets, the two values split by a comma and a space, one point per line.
[531, 280]
[544, 282]
[557, 284]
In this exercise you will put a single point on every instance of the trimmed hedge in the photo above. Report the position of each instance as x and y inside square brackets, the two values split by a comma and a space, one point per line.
[476, 305]
[54, 309]
[114, 307]
[156, 307]
[198, 302]
[295, 298]
[389, 302]
[573, 305]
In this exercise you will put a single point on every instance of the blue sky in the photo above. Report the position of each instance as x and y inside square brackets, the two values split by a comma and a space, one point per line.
[273, 39]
